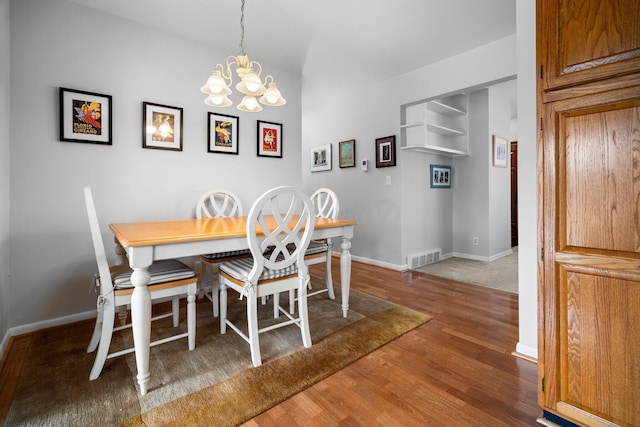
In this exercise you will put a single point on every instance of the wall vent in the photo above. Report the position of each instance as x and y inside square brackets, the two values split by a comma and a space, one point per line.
[418, 260]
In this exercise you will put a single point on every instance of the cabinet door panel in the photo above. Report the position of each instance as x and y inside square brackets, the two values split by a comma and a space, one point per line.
[591, 290]
[597, 349]
[601, 159]
[588, 40]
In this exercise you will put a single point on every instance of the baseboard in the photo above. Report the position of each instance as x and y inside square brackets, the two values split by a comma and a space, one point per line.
[64, 320]
[396, 267]
[483, 258]
[32, 327]
[526, 352]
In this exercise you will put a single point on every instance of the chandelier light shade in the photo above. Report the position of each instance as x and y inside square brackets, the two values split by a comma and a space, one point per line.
[250, 84]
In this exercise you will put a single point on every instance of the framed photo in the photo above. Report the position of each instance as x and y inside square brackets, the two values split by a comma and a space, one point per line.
[440, 176]
[85, 117]
[500, 151]
[347, 153]
[161, 127]
[269, 139]
[223, 133]
[386, 151]
[321, 158]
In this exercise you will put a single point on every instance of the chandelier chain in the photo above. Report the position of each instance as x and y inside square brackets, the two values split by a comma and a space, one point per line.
[242, 28]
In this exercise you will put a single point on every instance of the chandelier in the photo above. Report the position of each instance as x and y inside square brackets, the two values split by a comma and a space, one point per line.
[251, 85]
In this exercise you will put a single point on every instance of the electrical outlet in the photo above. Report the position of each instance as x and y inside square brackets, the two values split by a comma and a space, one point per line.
[476, 241]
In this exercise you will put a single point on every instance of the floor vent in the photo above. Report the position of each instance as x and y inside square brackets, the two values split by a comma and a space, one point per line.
[418, 260]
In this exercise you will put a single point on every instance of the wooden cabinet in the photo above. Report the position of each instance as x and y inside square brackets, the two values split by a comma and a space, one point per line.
[437, 126]
[589, 147]
[587, 41]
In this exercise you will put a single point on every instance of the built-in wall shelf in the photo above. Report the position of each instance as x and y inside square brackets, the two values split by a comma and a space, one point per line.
[437, 126]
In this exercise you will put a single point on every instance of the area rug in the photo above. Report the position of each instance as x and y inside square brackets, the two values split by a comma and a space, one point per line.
[500, 274]
[215, 384]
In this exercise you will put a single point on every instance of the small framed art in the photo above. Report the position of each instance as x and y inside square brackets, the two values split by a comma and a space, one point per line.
[269, 139]
[347, 153]
[440, 176]
[161, 127]
[500, 150]
[386, 151]
[321, 158]
[85, 117]
[223, 133]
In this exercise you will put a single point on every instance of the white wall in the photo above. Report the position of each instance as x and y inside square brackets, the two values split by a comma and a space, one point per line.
[471, 199]
[527, 180]
[4, 171]
[56, 43]
[394, 219]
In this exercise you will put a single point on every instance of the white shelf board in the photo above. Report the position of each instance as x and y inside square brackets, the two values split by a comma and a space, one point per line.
[439, 107]
[432, 127]
[411, 125]
[434, 149]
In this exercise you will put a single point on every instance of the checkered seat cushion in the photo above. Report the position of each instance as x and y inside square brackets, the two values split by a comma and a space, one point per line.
[227, 254]
[161, 271]
[239, 269]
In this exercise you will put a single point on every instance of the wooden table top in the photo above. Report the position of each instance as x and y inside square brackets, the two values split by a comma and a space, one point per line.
[150, 233]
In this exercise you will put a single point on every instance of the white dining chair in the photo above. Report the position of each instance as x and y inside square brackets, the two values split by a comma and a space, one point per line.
[279, 228]
[217, 204]
[169, 279]
[326, 205]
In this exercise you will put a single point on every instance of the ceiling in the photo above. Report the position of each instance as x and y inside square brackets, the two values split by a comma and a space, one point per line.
[331, 42]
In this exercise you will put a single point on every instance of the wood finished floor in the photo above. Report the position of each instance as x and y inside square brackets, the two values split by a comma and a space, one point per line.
[456, 370]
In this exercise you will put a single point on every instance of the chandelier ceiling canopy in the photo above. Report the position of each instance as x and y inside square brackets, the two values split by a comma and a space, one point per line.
[251, 84]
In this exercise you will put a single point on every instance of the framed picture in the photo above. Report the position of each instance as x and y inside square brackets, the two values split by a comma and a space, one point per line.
[500, 151]
[321, 158]
[223, 133]
[161, 127]
[269, 139]
[85, 117]
[386, 151]
[347, 153]
[440, 176]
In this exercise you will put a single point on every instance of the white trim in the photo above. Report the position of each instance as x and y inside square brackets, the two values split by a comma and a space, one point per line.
[388, 265]
[483, 258]
[64, 320]
[527, 351]
[32, 327]
[397, 267]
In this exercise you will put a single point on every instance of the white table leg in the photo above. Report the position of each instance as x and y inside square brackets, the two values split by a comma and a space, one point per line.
[345, 273]
[141, 324]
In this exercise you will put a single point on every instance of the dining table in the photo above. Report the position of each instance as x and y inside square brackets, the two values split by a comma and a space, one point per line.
[145, 242]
